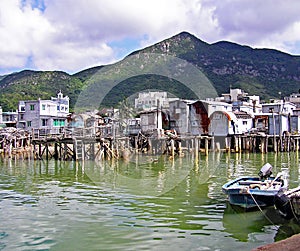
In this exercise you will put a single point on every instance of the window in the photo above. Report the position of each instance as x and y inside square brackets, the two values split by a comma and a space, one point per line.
[244, 122]
[55, 122]
[21, 116]
[31, 107]
[43, 107]
[44, 122]
[58, 122]
[28, 123]
[58, 107]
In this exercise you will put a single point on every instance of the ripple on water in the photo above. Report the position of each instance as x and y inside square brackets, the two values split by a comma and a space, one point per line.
[37, 242]
[59, 210]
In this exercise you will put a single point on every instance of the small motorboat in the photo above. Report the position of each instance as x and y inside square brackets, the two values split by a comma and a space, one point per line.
[288, 203]
[252, 192]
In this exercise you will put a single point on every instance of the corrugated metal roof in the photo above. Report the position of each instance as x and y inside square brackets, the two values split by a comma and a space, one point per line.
[242, 115]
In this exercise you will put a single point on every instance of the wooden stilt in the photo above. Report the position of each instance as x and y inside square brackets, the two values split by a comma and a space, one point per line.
[212, 144]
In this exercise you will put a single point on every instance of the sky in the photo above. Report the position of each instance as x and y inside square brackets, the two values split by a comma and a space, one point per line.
[73, 35]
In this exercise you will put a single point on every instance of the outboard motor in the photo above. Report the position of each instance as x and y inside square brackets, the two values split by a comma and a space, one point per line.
[266, 171]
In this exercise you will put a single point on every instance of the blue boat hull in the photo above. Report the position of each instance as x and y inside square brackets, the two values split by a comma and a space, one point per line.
[248, 201]
[246, 192]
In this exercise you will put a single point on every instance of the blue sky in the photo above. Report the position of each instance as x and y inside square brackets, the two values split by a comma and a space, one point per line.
[72, 35]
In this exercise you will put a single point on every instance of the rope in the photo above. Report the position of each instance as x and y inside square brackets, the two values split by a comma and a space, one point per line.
[277, 228]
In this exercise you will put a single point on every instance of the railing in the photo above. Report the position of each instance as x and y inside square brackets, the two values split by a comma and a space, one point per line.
[38, 133]
[86, 132]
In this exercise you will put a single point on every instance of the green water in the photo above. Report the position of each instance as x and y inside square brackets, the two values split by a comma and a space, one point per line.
[142, 204]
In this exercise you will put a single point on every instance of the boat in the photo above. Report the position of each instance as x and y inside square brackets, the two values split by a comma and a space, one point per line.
[288, 203]
[256, 192]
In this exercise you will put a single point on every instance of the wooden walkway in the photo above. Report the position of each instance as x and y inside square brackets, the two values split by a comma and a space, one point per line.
[84, 144]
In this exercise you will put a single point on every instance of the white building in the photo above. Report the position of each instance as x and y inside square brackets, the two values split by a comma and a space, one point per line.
[294, 98]
[241, 101]
[152, 100]
[279, 107]
[192, 117]
[49, 115]
[155, 121]
[222, 123]
[200, 112]
[229, 123]
[233, 95]
[279, 124]
[295, 124]
[10, 118]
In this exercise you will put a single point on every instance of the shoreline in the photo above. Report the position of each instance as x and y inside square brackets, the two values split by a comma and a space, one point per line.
[290, 244]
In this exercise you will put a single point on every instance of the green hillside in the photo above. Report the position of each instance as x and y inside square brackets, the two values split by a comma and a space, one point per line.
[261, 72]
[30, 85]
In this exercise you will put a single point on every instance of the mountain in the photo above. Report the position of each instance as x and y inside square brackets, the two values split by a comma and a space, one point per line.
[263, 72]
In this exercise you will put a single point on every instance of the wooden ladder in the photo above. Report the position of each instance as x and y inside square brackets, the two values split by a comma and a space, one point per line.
[79, 149]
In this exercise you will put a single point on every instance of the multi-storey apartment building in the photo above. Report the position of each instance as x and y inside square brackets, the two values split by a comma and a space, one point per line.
[50, 115]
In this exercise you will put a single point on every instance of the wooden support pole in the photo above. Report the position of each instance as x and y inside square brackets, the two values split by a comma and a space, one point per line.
[293, 146]
[236, 144]
[150, 150]
[47, 151]
[179, 148]
[65, 151]
[196, 147]
[83, 150]
[275, 144]
[10, 148]
[34, 150]
[212, 145]
[172, 147]
[240, 143]
[136, 144]
[218, 147]
[40, 150]
[56, 151]
[60, 151]
[247, 145]
[262, 145]
[227, 143]
[266, 144]
[288, 143]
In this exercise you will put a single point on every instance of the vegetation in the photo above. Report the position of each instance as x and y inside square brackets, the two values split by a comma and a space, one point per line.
[30, 85]
[262, 72]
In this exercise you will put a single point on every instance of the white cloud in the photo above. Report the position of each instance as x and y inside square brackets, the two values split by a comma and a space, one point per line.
[258, 23]
[18, 27]
[27, 32]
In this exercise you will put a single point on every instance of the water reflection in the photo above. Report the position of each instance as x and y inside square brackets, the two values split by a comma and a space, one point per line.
[147, 202]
